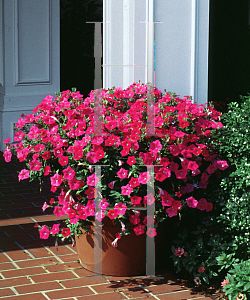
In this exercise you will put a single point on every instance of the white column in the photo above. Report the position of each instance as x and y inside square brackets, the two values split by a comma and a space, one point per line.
[181, 47]
[124, 42]
[30, 59]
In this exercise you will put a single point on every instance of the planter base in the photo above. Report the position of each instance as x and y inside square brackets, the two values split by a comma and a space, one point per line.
[128, 258]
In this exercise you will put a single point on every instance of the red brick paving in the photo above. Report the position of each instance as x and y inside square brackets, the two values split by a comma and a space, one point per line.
[31, 268]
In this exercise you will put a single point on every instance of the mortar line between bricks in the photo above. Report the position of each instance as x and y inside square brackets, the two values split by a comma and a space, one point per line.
[30, 279]
[71, 249]
[56, 256]
[95, 292]
[10, 260]
[25, 250]
[47, 297]
[127, 297]
[72, 271]
[146, 290]
[6, 233]
[14, 290]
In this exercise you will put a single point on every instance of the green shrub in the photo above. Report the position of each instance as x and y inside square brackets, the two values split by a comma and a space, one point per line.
[237, 282]
[234, 195]
[204, 254]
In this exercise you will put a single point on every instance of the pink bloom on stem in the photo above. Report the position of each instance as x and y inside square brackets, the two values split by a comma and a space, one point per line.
[179, 251]
[58, 211]
[126, 190]
[135, 200]
[53, 189]
[209, 207]
[139, 229]
[181, 174]
[46, 170]
[172, 211]
[75, 184]
[155, 146]
[24, 174]
[134, 182]
[45, 205]
[121, 208]
[202, 204]
[103, 204]
[56, 180]
[55, 229]
[7, 156]
[111, 184]
[90, 192]
[68, 173]
[131, 160]
[134, 219]
[44, 232]
[151, 232]
[35, 165]
[39, 147]
[19, 136]
[74, 220]
[66, 232]
[112, 214]
[149, 199]
[122, 173]
[46, 155]
[224, 282]
[144, 177]
[222, 164]
[92, 180]
[63, 161]
[7, 140]
[191, 202]
[201, 269]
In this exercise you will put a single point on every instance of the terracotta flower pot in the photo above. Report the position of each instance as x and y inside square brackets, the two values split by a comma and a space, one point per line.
[127, 259]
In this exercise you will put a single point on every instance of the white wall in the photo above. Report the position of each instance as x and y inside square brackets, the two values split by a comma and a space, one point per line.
[30, 60]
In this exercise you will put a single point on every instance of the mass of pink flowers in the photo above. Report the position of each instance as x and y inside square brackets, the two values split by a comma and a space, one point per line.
[59, 140]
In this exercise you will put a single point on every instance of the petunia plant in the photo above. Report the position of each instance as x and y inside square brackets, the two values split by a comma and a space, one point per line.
[71, 139]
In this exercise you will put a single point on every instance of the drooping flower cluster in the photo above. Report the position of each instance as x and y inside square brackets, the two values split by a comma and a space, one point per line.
[69, 139]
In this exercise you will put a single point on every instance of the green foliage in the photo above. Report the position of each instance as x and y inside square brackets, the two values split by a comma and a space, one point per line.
[215, 252]
[233, 196]
[238, 280]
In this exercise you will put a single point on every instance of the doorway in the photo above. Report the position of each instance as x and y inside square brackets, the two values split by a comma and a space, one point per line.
[77, 62]
[229, 51]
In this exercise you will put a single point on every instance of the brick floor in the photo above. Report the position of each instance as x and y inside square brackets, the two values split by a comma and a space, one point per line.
[31, 268]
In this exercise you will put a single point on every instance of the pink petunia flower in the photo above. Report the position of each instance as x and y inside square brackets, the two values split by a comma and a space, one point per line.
[46, 170]
[151, 232]
[139, 229]
[92, 180]
[44, 232]
[55, 229]
[192, 202]
[224, 282]
[7, 140]
[24, 174]
[66, 232]
[126, 190]
[122, 173]
[7, 156]
[131, 160]
[56, 180]
[179, 251]
[202, 204]
[68, 173]
[144, 177]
